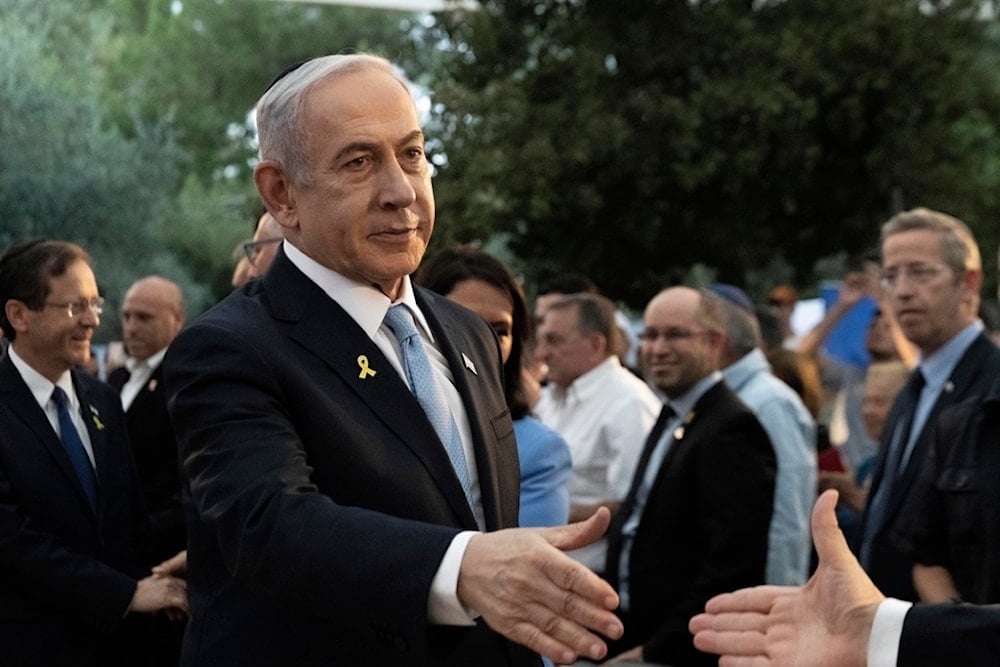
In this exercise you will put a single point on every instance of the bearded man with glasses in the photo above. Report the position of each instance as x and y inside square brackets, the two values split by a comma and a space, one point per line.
[696, 518]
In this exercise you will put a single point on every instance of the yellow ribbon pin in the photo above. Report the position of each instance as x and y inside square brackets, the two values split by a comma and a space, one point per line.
[363, 365]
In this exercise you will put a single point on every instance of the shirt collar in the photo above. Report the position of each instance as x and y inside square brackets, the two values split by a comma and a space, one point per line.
[150, 362]
[593, 381]
[40, 386]
[684, 404]
[938, 367]
[740, 371]
[364, 303]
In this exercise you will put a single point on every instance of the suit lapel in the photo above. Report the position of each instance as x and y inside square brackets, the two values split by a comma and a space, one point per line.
[959, 386]
[466, 365]
[689, 429]
[16, 395]
[149, 391]
[93, 412]
[325, 329]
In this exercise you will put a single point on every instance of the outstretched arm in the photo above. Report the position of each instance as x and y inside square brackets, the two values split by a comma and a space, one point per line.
[528, 590]
[825, 622]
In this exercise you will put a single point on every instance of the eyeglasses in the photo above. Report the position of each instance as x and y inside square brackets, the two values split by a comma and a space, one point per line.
[77, 308]
[919, 274]
[252, 248]
[669, 335]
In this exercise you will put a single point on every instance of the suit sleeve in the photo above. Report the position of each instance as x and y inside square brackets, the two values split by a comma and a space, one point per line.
[939, 634]
[39, 567]
[254, 501]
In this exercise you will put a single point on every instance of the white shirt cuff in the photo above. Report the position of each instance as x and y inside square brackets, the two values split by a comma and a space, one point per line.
[443, 606]
[887, 628]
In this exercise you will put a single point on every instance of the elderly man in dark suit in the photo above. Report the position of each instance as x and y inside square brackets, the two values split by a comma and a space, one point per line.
[348, 457]
[932, 270]
[695, 521]
[69, 499]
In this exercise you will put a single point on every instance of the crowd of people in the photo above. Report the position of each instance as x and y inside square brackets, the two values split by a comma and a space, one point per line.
[366, 456]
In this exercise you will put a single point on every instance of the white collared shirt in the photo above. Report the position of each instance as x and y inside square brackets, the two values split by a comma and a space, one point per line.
[604, 415]
[41, 388]
[139, 374]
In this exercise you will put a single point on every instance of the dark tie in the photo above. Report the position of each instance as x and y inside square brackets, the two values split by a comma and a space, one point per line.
[655, 435]
[908, 399]
[428, 392]
[74, 447]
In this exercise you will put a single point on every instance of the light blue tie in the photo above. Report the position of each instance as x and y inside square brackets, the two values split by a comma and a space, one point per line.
[74, 447]
[429, 394]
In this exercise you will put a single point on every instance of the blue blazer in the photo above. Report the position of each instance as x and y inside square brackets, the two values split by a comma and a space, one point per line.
[319, 500]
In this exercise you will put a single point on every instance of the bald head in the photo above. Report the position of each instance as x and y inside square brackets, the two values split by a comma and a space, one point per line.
[681, 338]
[152, 315]
[266, 240]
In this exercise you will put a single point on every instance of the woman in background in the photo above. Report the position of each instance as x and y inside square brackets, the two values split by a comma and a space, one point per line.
[484, 285]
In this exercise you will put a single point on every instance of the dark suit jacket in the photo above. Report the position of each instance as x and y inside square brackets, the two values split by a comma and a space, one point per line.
[891, 568]
[935, 635]
[704, 528]
[319, 499]
[154, 449]
[953, 516]
[67, 574]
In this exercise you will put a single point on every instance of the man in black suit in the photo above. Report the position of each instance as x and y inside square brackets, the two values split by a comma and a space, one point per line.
[932, 270]
[70, 509]
[951, 525]
[152, 316]
[347, 452]
[840, 618]
[695, 521]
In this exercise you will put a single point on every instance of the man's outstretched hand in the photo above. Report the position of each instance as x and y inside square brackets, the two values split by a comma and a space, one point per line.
[527, 589]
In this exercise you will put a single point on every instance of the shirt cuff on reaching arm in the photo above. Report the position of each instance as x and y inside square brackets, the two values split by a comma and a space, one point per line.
[887, 628]
[443, 606]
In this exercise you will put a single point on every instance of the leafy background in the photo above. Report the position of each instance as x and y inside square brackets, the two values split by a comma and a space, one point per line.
[642, 143]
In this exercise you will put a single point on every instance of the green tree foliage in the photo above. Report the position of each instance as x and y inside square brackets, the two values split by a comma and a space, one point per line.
[64, 171]
[203, 64]
[124, 125]
[632, 142]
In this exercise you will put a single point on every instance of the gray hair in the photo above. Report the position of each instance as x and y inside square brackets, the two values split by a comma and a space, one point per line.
[959, 248]
[741, 328]
[280, 125]
[595, 314]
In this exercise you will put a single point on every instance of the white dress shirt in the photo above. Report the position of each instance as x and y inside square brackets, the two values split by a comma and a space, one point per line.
[139, 373]
[41, 388]
[886, 632]
[604, 416]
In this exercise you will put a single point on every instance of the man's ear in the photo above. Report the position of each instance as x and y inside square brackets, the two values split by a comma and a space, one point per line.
[16, 312]
[599, 344]
[972, 280]
[277, 193]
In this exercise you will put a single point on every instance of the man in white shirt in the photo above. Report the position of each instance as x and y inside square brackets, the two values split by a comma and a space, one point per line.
[602, 410]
